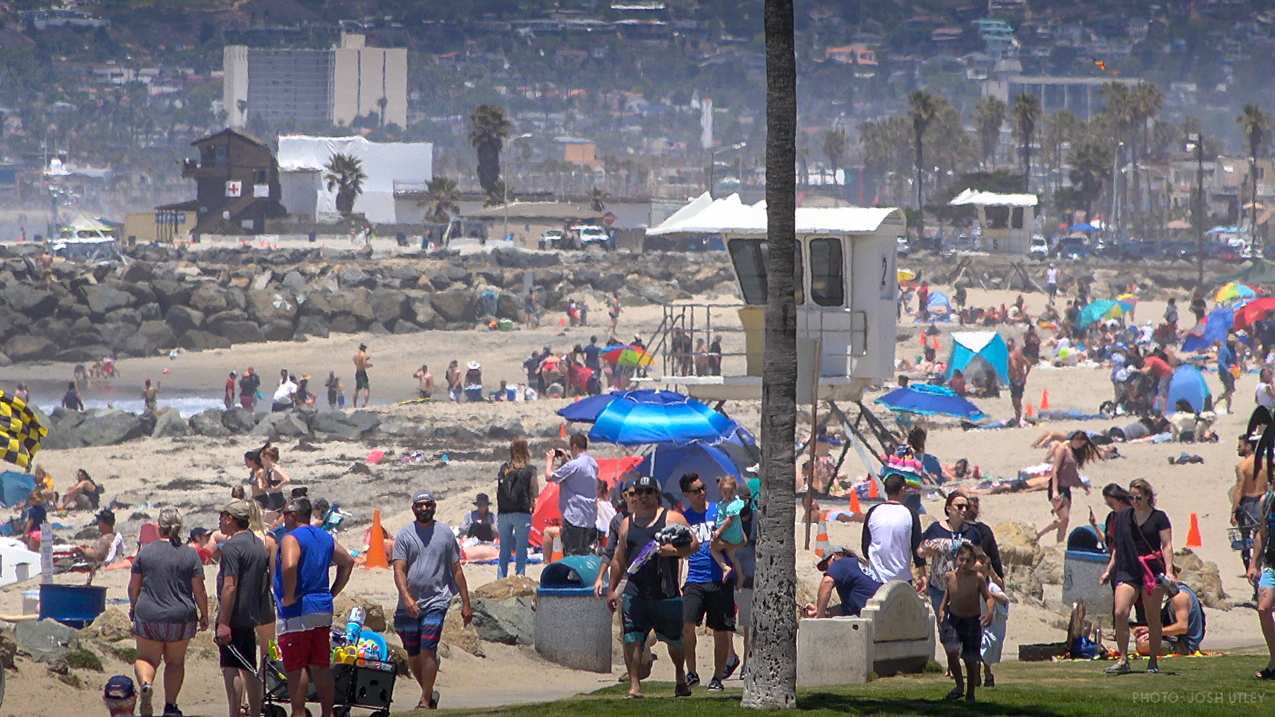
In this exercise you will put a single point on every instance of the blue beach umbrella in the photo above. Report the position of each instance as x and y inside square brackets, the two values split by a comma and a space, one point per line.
[1188, 385]
[929, 400]
[641, 417]
[668, 462]
[586, 410]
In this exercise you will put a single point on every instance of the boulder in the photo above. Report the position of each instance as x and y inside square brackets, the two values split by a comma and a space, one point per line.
[1022, 582]
[132, 317]
[209, 423]
[288, 424]
[343, 324]
[317, 302]
[241, 332]
[170, 293]
[214, 322]
[102, 300]
[45, 640]
[457, 634]
[278, 330]
[112, 625]
[28, 300]
[513, 258]
[455, 305]
[333, 425]
[266, 306]
[373, 612]
[510, 587]
[422, 312]
[1050, 568]
[293, 281]
[5, 360]
[312, 326]
[403, 326]
[262, 280]
[200, 340]
[10, 324]
[209, 299]
[183, 319]
[388, 305]
[25, 347]
[360, 306]
[8, 649]
[1017, 544]
[511, 621]
[239, 420]
[84, 353]
[352, 276]
[110, 427]
[1203, 577]
[157, 335]
[506, 429]
[138, 271]
[508, 307]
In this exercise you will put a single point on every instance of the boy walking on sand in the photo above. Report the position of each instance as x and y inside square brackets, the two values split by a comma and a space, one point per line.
[960, 626]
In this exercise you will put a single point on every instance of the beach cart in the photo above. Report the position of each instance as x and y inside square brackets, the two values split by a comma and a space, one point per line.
[366, 684]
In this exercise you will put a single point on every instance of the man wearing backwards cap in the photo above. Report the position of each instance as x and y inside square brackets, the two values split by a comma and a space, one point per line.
[119, 696]
[305, 603]
[842, 572]
[241, 578]
[427, 573]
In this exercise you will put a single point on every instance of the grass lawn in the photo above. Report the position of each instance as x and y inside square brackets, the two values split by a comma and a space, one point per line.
[1195, 686]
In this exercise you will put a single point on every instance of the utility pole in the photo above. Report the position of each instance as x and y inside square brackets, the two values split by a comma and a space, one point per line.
[1197, 139]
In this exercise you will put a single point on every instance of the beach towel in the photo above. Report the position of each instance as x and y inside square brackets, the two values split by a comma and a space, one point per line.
[994, 634]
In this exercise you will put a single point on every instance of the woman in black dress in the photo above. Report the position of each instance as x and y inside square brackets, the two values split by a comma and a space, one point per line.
[1141, 566]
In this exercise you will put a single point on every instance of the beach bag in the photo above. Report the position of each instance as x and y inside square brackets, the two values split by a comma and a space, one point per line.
[1149, 576]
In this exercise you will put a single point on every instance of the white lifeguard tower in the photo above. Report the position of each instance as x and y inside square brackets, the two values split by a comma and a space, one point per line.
[1007, 220]
[847, 294]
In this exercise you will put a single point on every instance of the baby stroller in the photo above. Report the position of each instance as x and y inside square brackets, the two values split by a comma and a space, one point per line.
[369, 684]
[1134, 395]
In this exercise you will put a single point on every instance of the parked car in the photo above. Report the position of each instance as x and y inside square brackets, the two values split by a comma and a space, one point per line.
[593, 236]
[552, 239]
[1038, 248]
[1072, 248]
[901, 246]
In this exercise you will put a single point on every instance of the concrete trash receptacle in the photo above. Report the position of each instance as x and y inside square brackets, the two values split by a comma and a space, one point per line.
[1083, 565]
[573, 626]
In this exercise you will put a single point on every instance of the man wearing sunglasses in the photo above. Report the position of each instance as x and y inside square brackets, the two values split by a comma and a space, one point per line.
[705, 594]
[651, 599]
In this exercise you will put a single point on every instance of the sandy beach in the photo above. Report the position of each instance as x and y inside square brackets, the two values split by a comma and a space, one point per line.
[196, 475]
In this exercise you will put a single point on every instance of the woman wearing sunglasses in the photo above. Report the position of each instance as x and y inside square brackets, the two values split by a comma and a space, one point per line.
[1142, 540]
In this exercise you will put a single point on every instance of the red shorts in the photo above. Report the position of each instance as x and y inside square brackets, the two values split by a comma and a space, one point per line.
[308, 648]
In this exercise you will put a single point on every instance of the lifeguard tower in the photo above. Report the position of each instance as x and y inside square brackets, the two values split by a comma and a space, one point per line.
[1007, 220]
[847, 294]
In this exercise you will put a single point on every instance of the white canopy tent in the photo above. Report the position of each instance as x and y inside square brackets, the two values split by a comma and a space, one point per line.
[992, 199]
[730, 215]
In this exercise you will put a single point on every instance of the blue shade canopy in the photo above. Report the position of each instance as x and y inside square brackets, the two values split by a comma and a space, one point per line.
[986, 346]
[929, 400]
[1188, 385]
[641, 417]
[1101, 309]
[586, 410]
[15, 487]
[1212, 330]
[668, 462]
[1083, 227]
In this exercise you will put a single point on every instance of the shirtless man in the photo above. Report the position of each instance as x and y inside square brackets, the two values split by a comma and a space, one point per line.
[425, 382]
[1247, 494]
[362, 362]
[1019, 367]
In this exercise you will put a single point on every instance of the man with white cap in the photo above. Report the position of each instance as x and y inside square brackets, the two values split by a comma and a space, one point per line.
[428, 574]
[305, 603]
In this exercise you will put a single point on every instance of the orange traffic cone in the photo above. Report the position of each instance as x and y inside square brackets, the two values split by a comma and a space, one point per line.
[1029, 411]
[1044, 400]
[1193, 534]
[562, 431]
[376, 544]
[855, 508]
[821, 538]
[873, 492]
[562, 322]
[556, 553]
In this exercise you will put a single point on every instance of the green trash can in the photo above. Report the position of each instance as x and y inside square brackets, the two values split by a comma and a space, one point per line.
[573, 626]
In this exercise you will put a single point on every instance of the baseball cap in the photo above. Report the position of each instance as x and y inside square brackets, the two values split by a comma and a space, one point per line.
[423, 497]
[197, 533]
[482, 499]
[118, 687]
[642, 483]
[238, 509]
[834, 550]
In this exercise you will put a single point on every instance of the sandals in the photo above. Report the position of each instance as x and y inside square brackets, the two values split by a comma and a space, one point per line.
[1120, 668]
[1266, 673]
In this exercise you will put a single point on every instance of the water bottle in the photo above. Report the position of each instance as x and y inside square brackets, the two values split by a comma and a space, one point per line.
[354, 625]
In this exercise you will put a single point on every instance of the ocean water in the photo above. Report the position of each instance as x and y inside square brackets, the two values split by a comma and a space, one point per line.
[47, 395]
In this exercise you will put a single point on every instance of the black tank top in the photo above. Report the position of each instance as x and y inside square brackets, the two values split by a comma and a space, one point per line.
[657, 579]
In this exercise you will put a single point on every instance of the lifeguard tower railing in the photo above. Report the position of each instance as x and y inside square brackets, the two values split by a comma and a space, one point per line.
[732, 338]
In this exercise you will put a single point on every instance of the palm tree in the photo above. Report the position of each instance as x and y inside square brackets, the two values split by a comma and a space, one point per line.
[488, 128]
[922, 108]
[835, 145]
[344, 173]
[989, 116]
[1090, 159]
[1256, 124]
[772, 677]
[1060, 128]
[1026, 112]
[442, 196]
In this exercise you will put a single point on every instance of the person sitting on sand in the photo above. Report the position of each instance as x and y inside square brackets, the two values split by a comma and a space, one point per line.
[480, 523]
[1182, 625]
[107, 546]
[84, 495]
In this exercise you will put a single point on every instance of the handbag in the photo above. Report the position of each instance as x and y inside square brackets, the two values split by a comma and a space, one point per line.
[1150, 578]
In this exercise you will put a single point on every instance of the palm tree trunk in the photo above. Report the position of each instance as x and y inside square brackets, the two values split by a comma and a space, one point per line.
[920, 183]
[772, 676]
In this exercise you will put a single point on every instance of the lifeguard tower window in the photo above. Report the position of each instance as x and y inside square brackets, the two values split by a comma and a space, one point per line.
[1004, 217]
[827, 280]
[749, 258]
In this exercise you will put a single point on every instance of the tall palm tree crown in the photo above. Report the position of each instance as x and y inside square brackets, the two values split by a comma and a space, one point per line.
[922, 108]
[441, 196]
[488, 129]
[1256, 125]
[989, 116]
[1026, 113]
[344, 173]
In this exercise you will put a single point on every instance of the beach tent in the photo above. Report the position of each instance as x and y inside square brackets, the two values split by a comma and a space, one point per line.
[928, 400]
[546, 511]
[979, 347]
[939, 306]
[1212, 330]
[1188, 385]
[15, 487]
[668, 462]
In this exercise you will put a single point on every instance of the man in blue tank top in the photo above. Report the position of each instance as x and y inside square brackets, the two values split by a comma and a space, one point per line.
[706, 594]
[305, 603]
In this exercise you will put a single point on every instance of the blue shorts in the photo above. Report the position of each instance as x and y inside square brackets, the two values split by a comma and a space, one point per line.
[1267, 580]
[640, 616]
[421, 633]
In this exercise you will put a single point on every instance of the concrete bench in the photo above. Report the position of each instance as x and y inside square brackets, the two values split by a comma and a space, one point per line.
[893, 634]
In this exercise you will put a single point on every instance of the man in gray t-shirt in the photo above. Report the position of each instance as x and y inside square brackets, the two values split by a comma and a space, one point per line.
[427, 573]
[577, 481]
